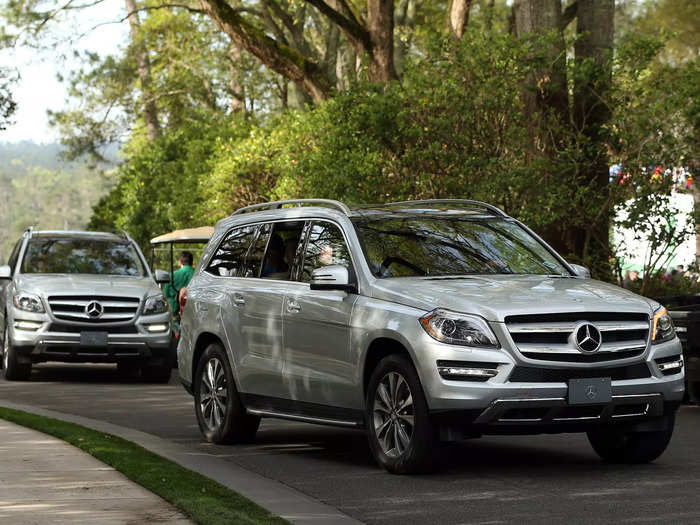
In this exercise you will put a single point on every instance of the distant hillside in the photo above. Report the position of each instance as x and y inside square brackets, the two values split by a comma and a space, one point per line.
[38, 188]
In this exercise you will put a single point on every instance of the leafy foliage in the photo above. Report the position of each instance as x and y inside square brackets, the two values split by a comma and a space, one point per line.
[43, 192]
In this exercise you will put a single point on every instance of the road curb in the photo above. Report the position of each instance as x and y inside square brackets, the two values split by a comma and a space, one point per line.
[272, 495]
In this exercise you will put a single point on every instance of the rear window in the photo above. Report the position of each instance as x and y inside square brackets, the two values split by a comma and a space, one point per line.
[83, 256]
[229, 257]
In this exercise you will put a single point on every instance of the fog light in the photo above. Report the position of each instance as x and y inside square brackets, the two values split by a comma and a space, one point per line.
[467, 370]
[160, 327]
[32, 326]
[671, 367]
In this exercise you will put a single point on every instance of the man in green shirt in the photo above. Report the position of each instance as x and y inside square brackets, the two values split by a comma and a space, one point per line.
[179, 280]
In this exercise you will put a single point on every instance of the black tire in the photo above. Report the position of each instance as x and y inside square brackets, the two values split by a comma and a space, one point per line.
[693, 392]
[388, 419]
[13, 370]
[222, 417]
[157, 373]
[173, 351]
[617, 446]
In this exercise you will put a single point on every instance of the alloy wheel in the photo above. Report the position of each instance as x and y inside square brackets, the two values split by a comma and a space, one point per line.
[213, 395]
[393, 414]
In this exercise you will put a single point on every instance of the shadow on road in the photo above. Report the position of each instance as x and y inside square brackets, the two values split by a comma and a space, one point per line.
[81, 373]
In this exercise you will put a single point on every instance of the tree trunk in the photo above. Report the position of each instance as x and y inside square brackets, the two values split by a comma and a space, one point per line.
[150, 111]
[380, 24]
[237, 89]
[547, 90]
[376, 39]
[405, 17]
[458, 17]
[593, 50]
[275, 55]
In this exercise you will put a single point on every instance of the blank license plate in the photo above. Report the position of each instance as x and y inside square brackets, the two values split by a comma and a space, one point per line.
[93, 338]
[590, 391]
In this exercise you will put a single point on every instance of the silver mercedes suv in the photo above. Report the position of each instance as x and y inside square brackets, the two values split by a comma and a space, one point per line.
[83, 297]
[420, 322]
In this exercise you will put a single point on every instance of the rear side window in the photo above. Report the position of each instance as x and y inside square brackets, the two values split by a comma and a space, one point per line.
[229, 257]
[281, 254]
[256, 252]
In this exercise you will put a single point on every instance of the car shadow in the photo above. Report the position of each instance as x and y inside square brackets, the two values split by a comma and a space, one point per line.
[82, 373]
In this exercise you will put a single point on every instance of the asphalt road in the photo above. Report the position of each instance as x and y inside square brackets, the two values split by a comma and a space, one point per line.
[493, 480]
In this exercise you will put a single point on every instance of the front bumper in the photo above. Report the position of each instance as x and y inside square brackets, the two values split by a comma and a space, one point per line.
[528, 397]
[53, 341]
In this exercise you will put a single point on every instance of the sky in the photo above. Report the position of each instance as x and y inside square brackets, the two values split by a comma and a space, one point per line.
[38, 89]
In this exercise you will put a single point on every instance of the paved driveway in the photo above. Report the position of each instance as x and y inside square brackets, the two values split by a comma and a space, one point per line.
[533, 479]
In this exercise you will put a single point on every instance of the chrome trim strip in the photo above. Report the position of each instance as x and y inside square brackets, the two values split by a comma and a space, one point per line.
[603, 326]
[492, 414]
[48, 342]
[636, 344]
[305, 419]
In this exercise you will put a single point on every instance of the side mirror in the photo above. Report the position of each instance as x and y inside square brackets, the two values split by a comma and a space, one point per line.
[5, 272]
[581, 271]
[334, 277]
[162, 276]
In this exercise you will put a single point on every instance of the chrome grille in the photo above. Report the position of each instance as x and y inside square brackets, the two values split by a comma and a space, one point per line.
[547, 336]
[73, 308]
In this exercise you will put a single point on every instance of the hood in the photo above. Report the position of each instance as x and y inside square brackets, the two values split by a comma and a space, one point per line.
[79, 284]
[495, 297]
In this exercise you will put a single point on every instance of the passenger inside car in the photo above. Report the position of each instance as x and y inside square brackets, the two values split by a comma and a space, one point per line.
[275, 267]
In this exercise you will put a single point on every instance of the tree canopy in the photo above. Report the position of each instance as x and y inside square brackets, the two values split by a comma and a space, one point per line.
[526, 104]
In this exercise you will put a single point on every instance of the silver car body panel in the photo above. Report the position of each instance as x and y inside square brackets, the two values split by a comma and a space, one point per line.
[319, 355]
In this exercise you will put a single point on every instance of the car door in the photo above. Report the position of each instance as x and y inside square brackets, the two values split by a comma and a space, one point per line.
[258, 303]
[319, 367]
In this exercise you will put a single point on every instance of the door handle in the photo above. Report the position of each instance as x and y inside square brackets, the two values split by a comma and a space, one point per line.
[293, 306]
[238, 300]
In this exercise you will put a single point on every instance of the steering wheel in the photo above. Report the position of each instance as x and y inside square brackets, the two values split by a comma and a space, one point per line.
[403, 262]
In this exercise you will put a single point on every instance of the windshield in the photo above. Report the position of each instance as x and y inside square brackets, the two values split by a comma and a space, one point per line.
[452, 246]
[87, 256]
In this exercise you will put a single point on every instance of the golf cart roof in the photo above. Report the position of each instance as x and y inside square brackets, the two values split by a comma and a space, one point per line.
[189, 235]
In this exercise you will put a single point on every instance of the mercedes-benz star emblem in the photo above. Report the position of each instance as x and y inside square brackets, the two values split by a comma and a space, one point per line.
[94, 310]
[587, 338]
[591, 392]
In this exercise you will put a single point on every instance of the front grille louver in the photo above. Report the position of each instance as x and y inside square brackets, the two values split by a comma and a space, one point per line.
[546, 337]
[117, 309]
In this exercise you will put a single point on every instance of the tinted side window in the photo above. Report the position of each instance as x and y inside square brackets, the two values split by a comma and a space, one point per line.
[326, 246]
[12, 261]
[229, 257]
[256, 252]
[281, 254]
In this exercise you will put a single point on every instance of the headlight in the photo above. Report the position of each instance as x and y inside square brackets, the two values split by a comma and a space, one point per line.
[662, 329]
[155, 305]
[458, 329]
[29, 303]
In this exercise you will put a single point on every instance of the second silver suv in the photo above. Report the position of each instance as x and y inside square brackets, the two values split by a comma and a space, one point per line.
[420, 322]
[82, 297]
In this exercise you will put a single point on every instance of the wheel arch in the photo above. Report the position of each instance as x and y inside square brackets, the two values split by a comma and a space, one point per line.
[204, 339]
[379, 348]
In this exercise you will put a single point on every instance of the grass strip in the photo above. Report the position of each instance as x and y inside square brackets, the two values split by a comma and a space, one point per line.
[202, 499]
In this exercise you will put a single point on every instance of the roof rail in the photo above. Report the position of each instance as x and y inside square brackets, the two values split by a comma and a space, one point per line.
[119, 231]
[466, 203]
[275, 205]
[28, 232]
